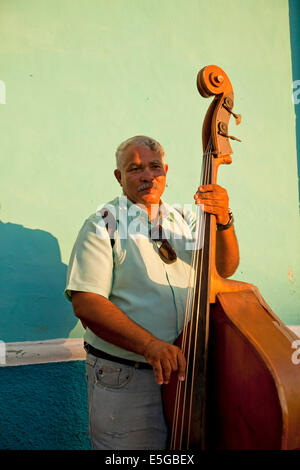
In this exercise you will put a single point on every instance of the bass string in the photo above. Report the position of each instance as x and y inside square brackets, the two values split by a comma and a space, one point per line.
[189, 312]
[195, 261]
[179, 387]
[188, 392]
[206, 181]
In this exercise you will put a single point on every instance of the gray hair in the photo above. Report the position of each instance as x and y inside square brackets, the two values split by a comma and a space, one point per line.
[138, 140]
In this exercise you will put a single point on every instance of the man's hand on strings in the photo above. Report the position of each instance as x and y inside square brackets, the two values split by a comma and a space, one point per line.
[165, 359]
[215, 201]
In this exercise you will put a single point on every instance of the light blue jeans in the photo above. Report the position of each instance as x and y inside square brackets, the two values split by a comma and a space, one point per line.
[125, 407]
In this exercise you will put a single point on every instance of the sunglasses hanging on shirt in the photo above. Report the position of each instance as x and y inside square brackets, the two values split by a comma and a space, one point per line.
[165, 249]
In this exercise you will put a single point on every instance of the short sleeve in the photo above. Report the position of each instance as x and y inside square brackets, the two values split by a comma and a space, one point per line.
[91, 263]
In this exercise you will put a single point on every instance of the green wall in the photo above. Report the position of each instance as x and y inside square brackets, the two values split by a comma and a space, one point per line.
[81, 76]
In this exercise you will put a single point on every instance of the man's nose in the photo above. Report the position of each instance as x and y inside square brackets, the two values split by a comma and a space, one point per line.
[147, 174]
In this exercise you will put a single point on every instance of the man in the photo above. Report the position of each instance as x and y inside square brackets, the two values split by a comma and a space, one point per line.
[132, 297]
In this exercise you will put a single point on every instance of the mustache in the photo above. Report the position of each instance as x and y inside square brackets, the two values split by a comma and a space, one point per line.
[144, 186]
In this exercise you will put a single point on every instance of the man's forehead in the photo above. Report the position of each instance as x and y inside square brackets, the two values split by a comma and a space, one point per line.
[141, 153]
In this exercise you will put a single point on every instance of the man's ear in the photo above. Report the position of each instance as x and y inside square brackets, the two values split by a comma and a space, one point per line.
[117, 174]
[166, 168]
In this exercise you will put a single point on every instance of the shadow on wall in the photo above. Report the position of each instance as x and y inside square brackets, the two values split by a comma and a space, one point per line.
[32, 280]
[294, 9]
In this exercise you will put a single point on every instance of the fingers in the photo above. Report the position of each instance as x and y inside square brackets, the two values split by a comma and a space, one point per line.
[167, 370]
[207, 187]
[204, 188]
[165, 359]
[211, 191]
[157, 369]
[162, 372]
[213, 195]
[181, 366]
[215, 200]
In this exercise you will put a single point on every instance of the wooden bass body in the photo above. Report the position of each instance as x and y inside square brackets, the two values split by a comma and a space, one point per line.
[253, 399]
[242, 387]
[252, 383]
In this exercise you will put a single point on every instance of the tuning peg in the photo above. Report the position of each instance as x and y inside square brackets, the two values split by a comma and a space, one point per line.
[223, 129]
[237, 117]
[228, 105]
[233, 138]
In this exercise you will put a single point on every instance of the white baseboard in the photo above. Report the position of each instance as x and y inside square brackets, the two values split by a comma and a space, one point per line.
[53, 350]
[38, 352]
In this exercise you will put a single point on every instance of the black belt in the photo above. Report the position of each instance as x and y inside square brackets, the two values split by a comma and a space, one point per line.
[96, 352]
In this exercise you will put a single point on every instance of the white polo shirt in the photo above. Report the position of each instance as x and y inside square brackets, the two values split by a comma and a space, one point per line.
[131, 274]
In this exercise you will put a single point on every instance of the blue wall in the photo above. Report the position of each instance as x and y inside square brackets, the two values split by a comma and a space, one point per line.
[44, 406]
[294, 9]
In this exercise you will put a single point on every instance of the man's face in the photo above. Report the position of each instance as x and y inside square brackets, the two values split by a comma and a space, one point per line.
[143, 176]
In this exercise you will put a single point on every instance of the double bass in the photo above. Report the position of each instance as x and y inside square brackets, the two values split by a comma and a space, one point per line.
[242, 388]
